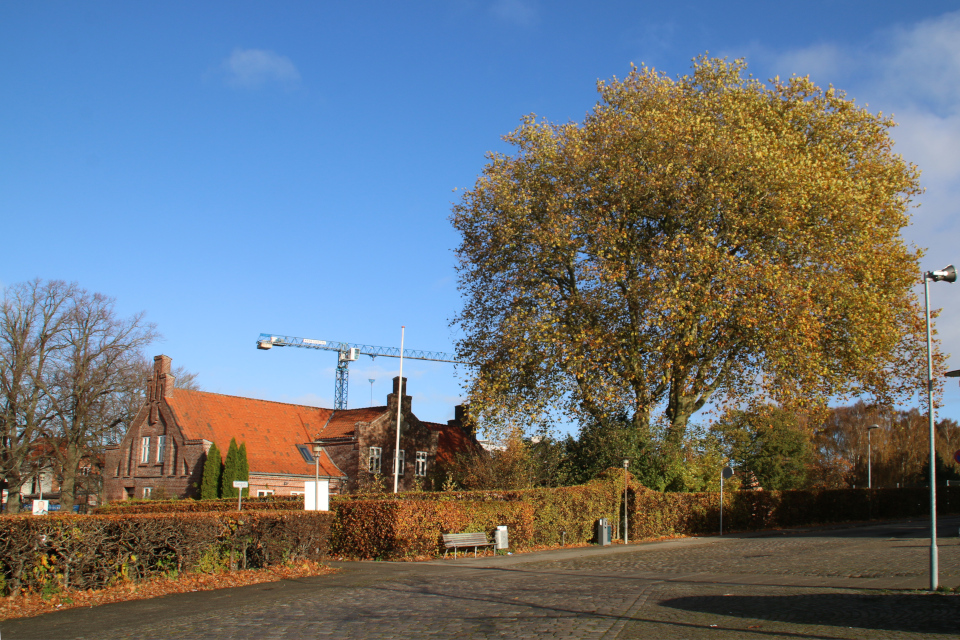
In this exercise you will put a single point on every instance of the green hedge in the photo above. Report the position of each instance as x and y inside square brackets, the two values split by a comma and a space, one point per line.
[44, 554]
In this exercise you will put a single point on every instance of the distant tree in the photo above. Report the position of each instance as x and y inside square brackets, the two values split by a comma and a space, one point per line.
[32, 319]
[601, 445]
[212, 472]
[708, 238]
[97, 363]
[243, 466]
[230, 468]
[769, 442]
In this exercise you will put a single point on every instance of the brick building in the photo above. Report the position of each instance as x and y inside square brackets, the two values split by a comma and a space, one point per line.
[165, 447]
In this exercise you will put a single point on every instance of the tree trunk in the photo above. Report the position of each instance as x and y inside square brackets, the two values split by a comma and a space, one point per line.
[68, 486]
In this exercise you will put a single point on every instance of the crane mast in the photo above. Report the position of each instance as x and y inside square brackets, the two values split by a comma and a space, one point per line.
[348, 352]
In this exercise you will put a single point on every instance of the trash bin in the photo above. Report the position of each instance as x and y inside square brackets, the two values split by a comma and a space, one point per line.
[603, 532]
[500, 538]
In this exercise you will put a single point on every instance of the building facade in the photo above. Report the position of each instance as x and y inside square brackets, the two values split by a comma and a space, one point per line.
[165, 447]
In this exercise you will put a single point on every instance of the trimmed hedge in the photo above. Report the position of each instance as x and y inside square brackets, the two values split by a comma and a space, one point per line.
[44, 554]
[654, 514]
[266, 503]
[411, 524]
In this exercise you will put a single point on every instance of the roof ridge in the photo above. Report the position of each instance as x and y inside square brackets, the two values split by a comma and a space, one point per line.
[288, 404]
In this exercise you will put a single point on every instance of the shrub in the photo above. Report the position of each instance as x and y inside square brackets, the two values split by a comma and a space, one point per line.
[44, 554]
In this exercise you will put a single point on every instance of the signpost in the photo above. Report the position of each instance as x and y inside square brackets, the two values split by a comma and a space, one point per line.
[240, 484]
[726, 473]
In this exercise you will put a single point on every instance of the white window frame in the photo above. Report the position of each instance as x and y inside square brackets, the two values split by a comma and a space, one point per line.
[376, 454]
[144, 449]
[161, 445]
[147, 493]
[264, 492]
[421, 468]
[401, 462]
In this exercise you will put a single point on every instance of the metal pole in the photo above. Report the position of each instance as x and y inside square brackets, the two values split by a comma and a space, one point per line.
[721, 501]
[869, 462]
[626, 517]
[316, 481]
[396, 449]
[934, 562]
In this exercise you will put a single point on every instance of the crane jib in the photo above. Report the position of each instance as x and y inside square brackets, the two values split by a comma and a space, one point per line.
[269, 340]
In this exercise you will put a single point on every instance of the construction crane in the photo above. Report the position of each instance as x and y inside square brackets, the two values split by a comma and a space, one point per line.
[349, 352]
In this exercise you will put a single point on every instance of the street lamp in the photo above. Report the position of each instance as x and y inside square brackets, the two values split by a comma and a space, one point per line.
[316, 485]
[626, 517]
[869, 461]
[948, 274]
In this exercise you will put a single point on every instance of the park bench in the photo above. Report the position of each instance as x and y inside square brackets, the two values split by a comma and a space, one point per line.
[457, 540]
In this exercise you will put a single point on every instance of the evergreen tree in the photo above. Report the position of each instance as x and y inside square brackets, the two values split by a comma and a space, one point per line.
[230, 471]
[212, 470]
[243, 466]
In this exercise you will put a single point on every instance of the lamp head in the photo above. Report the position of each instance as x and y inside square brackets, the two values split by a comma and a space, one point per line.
[873, 426]
[947, 274]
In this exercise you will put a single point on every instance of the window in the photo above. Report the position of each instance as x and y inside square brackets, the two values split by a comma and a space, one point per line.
[421, 469]
[373, 465]
[147, 492]
[144, 449]
[401, 461]
[161, 441]
[305, 452]
[186, 469]
[264, 492]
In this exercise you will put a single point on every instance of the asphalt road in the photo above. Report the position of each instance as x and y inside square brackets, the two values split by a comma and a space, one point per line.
[856, 582]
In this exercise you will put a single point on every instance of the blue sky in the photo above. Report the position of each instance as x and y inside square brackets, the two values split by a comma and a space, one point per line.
[240, 167]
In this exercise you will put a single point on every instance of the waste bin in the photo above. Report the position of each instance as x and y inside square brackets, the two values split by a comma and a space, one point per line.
[603, 532]
[500, 538]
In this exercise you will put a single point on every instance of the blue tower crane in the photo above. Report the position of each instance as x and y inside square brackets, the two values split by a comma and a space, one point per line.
[348, 352]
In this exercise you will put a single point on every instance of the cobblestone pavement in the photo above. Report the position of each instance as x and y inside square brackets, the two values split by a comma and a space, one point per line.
[859, 582]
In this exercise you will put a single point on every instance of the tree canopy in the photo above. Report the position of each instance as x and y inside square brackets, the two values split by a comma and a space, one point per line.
[705, 238]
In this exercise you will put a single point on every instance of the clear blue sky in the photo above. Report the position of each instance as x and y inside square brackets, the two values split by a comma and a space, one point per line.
[238, 167]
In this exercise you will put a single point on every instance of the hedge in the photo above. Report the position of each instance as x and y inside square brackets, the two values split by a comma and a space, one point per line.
[654, 514]
[44, 554]
[265, 503]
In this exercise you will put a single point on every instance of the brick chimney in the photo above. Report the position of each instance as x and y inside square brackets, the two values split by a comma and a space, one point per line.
[460, 414]
[392, 397]
[164, 380]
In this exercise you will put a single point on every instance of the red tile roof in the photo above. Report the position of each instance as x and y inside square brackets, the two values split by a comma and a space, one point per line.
[451, 440]
[343, 423]
[271, 429]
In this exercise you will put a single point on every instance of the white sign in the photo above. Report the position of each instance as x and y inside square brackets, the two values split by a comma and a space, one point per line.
[240, 484]
[316, 495]
[40, 507]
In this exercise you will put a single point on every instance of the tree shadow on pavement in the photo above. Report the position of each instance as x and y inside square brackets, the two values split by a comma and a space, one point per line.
[918, 613]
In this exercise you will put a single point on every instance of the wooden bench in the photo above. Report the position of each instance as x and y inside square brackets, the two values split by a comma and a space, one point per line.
[457, 540]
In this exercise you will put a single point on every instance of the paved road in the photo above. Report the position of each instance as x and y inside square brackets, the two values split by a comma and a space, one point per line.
[861, 582]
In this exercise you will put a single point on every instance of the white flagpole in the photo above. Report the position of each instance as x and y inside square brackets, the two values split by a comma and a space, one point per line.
[396, 449]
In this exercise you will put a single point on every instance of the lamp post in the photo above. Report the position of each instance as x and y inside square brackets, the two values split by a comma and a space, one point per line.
[948, 274]
[396, 450]
[626, 517]
[869, 461]
[316, 484]
[371, 380]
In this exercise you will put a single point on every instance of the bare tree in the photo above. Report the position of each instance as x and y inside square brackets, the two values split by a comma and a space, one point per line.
[98, 365]
[32, 322]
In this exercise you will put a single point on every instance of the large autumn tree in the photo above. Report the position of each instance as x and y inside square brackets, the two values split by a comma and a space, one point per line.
[709, 237]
